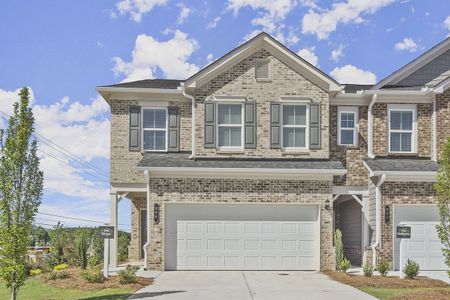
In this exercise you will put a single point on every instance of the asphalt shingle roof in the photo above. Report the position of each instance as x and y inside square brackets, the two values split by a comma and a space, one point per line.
[150, 84]
[401, 164]
[353, 88]
[177, 160]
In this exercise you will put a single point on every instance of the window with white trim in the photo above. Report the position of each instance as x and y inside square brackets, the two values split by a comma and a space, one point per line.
[402, 129]
[295, 126]
[229, 125]
[154, 129]
[347, 126]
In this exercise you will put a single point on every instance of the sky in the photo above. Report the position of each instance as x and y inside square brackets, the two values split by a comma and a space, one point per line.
[63, 49]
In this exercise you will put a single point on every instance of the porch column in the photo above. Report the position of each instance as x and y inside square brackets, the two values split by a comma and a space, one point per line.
[149, 221]
[113, 246]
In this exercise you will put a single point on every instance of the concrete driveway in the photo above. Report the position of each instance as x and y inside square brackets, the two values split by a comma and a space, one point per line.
[253, 285]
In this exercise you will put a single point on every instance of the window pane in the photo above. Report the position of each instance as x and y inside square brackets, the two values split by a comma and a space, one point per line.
[229, 136]
[407, 120]
[294, 114]
[229, 114]
[160, 118]
[396, 117]
[149, 140]
[149, 118]
[294, 137]
[160, 140]
[347, 120]
[406, 143]
[395, 141]
[347, 137]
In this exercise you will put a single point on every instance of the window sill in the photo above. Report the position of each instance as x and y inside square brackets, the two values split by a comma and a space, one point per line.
[263, 80]
[296, 151]
[230, 151]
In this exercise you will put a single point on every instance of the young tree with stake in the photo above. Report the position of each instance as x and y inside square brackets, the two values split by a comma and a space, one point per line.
[21, 183]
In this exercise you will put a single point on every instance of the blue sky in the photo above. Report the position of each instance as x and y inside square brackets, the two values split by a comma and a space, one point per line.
[63, 49]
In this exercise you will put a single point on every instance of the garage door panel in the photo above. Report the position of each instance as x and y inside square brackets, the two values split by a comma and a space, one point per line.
[235, 245]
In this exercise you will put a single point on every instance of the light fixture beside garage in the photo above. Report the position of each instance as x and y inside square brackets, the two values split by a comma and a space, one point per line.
[327, 204]
[387, 215]
[156, 213]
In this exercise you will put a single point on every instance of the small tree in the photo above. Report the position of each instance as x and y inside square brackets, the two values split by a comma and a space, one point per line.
[443, 201]
[339, 248]
[20, 192]
[82, 246]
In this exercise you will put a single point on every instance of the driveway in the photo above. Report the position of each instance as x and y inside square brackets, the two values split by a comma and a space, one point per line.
[252, 285]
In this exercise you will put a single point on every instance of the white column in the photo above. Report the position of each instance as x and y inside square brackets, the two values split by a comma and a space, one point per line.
[113, 246]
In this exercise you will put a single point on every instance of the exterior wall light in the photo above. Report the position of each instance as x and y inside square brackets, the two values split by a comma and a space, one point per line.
[327, 204]
[387, 215]
[156, 209]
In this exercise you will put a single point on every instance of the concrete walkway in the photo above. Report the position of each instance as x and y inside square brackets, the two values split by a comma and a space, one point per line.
[251, 285]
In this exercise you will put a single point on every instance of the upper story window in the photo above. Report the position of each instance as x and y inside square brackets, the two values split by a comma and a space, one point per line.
[229, 125]
[154, 129]
[347, 126]
[402, 128]
[262, 69]
[294, 126]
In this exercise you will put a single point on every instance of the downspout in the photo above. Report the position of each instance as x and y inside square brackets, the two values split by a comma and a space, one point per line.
[377, 218]
[147, 179]
[370, 127]
[192, 156]
[434, 132]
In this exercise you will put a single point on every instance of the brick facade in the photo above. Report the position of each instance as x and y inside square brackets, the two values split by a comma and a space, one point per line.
[442, 119]
[207, 190]
[240, 80]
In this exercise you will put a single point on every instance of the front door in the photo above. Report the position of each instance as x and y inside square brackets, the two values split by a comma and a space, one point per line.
[143, 221]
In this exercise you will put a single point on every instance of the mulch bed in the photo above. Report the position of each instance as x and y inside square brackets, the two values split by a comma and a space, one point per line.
[393, 282]
[76, 282]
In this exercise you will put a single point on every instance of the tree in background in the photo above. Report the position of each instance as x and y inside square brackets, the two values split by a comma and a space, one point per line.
[39, 236]
[443, 199]
[123, 243]
[21, 183]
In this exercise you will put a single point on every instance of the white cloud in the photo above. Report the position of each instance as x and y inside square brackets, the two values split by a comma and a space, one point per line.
[183, 14]
[149, 55]
[407, 44]
[322, 22]
[338, 53]
[209, 58]
[447, 23]
[271, 14]
[7, 99]
[309, 55]
[213, 23]
[351, 74]
[137, 8]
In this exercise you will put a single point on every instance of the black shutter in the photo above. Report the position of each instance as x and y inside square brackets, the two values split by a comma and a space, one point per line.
[174, 129]
[210, 126]
[275, 125]
[135, 128]
[314, 126]
[250, 125]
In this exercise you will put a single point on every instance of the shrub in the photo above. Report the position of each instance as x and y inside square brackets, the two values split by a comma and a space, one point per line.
[54, 275]
[339, 246]
[128, 275]
[35, 272]
[92, 275]
[368, 270]
[383, 268]
[61, 267]
[411, 269]
[51, 260]
[344, 265]
[82, 245]
[94, 261]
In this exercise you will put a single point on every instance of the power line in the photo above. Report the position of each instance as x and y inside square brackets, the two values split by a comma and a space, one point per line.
[77, 219]
[66, 152]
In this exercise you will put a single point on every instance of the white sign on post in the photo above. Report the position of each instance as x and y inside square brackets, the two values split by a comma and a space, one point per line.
[107, 233]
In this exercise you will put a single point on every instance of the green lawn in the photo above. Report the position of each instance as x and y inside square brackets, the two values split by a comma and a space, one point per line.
[35, 289]
[415, 293]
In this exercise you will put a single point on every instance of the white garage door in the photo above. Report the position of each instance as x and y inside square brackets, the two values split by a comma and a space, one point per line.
[423, 247]
[242, 237]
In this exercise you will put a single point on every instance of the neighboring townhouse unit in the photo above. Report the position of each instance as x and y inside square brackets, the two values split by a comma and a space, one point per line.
[254, 161]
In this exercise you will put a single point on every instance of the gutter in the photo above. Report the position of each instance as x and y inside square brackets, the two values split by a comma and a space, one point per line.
[183, 88]
[434, 132]
[147, 179]
[377, 219]
[370, 127]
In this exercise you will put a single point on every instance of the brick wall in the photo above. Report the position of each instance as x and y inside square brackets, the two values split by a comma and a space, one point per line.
[442, 119]
[381, 130]
[240, 80]
[350, 156]
[206, 190]
[134, 250]
[123, 161]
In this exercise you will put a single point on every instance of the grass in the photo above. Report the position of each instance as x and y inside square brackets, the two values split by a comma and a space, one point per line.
[37, 289]
[395, 288]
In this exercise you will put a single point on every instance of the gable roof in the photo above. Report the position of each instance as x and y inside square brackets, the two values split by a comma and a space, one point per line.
[395, 78]
[263, 39]
[149, 84]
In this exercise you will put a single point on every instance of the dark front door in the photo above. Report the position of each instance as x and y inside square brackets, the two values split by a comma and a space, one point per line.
[143, 221]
